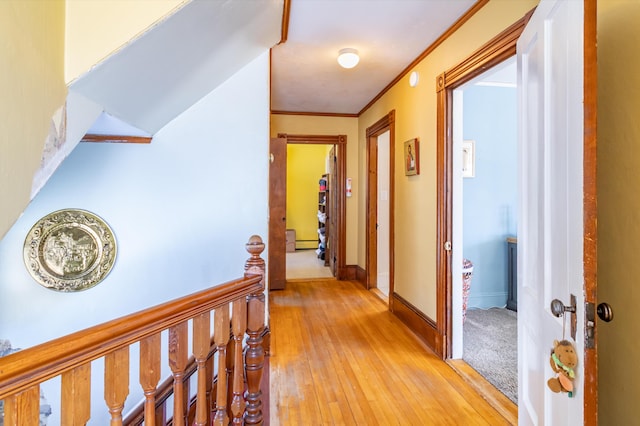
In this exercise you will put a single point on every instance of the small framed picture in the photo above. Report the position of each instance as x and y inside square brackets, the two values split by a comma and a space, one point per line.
[412, 157]
[469, 159]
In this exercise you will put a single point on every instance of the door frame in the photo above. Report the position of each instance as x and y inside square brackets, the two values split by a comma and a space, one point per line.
[498, 49]
[386, 123]
[590, 247]
[340, 141]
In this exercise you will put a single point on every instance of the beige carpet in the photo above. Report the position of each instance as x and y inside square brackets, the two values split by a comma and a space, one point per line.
[491, 347]
[305, 264]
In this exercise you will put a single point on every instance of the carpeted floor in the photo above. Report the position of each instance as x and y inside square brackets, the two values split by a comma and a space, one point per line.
[305, 264]
[491, 347]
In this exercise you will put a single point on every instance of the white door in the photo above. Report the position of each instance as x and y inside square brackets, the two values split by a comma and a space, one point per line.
[383, 213]
[551, 225]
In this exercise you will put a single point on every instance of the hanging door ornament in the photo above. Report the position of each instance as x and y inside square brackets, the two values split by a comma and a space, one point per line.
[564, 358]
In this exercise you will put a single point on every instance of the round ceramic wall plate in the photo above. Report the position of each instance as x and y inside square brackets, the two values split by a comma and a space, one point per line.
[69, 250]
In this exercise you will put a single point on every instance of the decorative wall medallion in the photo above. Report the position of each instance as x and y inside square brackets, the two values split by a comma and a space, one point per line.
[69, 250]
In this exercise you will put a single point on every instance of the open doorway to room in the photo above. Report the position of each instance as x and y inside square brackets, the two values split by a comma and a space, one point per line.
[383, 210]
[485, 203]
[310, 175]
[380, 208]
[333, 197]
[450, 84]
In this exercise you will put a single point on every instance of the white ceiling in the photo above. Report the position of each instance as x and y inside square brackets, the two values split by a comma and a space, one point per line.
[389, 34]
[174, 64]
[162, 73]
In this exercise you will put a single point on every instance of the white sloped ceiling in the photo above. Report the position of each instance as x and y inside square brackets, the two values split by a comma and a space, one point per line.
[177, 62]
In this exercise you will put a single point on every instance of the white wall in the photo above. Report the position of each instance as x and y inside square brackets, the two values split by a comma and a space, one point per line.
[181, 208]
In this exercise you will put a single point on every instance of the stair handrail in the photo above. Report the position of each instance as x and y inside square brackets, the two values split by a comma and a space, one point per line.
[26, 369]
[40, 363]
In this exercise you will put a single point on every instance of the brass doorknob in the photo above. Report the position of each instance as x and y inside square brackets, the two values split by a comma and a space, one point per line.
[605, 312]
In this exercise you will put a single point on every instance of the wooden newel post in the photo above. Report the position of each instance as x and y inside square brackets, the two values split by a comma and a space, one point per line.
[254, 353]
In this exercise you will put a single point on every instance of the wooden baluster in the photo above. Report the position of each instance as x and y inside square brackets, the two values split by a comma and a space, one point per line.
[230, 360]
[239, 325]
[23, 408]
[221, 338]
[178, 357]
[254, 354]
[76, 396]
[161, 414]
[210, 388]
[116, 382]
[201, 345]
[150, 375]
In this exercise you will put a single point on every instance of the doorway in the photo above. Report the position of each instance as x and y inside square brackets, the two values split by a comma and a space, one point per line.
[277, 206]
[384, 205]
[449, 290]
[485, 199]
[310, 207]
[544, 175]
[380, 208]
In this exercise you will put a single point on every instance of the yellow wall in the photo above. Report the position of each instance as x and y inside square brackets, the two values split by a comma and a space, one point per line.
[618, 208]
[33, 88]
[97, 28]
[415, 197]
[305, 166]
[308, 125]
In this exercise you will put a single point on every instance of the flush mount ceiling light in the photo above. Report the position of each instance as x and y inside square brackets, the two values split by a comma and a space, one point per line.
[348, 57]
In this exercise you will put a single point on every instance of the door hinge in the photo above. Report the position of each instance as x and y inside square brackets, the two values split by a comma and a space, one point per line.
[447, 245]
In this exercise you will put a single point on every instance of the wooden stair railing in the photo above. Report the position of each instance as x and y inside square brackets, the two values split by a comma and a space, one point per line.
[70, 357]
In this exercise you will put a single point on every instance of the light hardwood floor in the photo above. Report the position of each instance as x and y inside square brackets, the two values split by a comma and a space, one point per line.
[339, 357]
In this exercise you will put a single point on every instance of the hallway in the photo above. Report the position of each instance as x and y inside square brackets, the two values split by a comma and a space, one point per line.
[339, 357]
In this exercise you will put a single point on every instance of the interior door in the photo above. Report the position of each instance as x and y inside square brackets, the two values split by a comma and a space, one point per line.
[383, 203]
[554, 261]
[277, 265]
[372, 212]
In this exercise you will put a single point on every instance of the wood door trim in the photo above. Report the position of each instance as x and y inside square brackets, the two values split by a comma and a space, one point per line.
[341, 175]
[496, 50]
[590, 200]
[382, 125]
[315, 139]
[314, 114]
[444, 218]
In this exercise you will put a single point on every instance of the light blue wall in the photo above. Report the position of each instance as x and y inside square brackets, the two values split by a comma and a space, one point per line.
[182, 209]
[490, 199]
